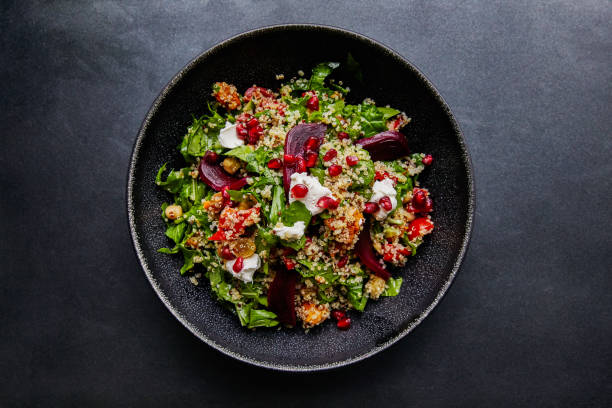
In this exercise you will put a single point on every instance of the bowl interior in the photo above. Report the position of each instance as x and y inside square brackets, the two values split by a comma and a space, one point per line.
[256, 58]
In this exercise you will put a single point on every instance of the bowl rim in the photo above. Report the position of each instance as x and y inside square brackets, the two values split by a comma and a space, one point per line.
[131, 209]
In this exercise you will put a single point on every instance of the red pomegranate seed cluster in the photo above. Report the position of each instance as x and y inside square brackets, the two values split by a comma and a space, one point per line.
[342, 262]
[343, 135]
[248, 128]
[344, 322]
[421, 202]
[428, 159]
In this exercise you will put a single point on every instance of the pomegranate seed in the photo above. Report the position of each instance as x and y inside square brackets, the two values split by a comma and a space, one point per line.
[238, 265]
[388, 257]
[289, 158]
[225, 194]
[275, 164]
[334, 170]
[311, 159]
[312, 143]
[352, 160]
[226, 253]
[344, 324]
[379, 175]
[252, 123]
[301, 165]
[330, 155]
[370, 208]
[428, 207]
[323, 202]
[254, 134]
[333, 204]
[313, 103]
[338, 314]
[427, 160]
[241, 131]
[386, 203]
[343, 135]
[211, 157]
[289, 263]
[419, 198]
[299, 191]
[342, 262]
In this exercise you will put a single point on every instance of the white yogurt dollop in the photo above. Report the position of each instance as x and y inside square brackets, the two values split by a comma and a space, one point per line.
[379, 190]
[315, 192]
[290, 233]
[228, 136]
[249, 266]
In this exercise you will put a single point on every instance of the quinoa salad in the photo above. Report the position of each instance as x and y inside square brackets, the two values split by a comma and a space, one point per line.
[294, 206]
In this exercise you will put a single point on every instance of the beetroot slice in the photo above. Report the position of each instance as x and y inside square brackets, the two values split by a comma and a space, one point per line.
[366, 253]
[216, 178]
[389, 145]
[281, 296]
[294, 144]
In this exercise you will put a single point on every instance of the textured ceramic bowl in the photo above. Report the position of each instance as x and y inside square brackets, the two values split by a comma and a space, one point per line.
[256, 57]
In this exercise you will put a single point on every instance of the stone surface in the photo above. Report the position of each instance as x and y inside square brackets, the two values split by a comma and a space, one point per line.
[526, 322]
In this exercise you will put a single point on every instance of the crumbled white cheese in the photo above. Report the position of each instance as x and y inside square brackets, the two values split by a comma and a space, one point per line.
[228, 136]
[379, 190]
[315, 192]
[249, 266]
[290, 233]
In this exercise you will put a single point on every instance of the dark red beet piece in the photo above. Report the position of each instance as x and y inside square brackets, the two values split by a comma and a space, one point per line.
[281, 296]
[216, 178]
[366, 253]
[389, 145]
[294, 145]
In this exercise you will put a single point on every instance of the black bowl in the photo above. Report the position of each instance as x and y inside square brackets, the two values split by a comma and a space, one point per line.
[256, 57]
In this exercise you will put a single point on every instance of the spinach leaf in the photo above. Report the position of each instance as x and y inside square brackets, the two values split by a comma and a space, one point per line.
[265, 239]
[262, 318]
[176, 231]
[318, 173]
[278, 203]
[241, 152]
[393, 287]
[174, 181]
[355, 293]
[297, 244]
[319, 73]
[297, 211]
[244, 312]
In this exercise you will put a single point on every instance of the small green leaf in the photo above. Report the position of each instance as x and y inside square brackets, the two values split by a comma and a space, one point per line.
[393, 287]
[297, 211]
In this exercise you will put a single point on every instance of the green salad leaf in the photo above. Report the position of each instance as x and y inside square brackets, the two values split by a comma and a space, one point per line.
[296, 211]
[393, 287]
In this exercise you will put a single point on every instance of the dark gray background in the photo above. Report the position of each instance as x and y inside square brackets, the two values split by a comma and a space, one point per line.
[528, 320]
